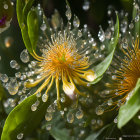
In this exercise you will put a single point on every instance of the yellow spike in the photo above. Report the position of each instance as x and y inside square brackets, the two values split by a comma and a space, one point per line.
[58, 94]
[50, 85]
[43, 85]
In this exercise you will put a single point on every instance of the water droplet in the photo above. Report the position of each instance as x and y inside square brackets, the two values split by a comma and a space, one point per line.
[99, 110]
[50, 109]
[91, 40]
[63, 99]
[93, 121]
[48, 127]
[33, 107]
[107, 34]
[12, 86]
[101, 34]
[38, 94]
[33, 63]
[44, 98]
[18, 75]
[24, 56]
[131, 25]
[76, 22]
[137, 18]
[70, 117]
[79, 114]
[100, 122]
[43, 27]
[5, 6]
[110, 10]
[13, 64]
[113, 77]
[115, 120]
[68, 13]
[102, 47]
[48, 116]
[86, 5]
[4, 78]
[110, 102]
[79, 33]
[123, 26]
[22, 98]
[20, 136]
[124, 43]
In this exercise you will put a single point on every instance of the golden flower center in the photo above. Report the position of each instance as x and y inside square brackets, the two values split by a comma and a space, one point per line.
[61, 58]
[62, 61]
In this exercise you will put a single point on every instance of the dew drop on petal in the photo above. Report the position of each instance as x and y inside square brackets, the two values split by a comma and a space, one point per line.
[24, 56]
[33, 107]
[44, 98]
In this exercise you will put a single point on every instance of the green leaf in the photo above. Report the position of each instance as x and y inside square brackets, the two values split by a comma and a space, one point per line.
[28, 21]
[22, 120]
[27, 8]
[101, 68]
[95, 135]
[26, 38]
[33, 30]
[132, 106]
[60, 134]
[19, 8]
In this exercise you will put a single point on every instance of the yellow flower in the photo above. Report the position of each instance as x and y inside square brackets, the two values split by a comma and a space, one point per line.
[65, 60]
[126, 71]
[61, 61]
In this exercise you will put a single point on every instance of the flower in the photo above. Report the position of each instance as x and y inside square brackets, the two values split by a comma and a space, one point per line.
[126, 76]
[61, 61]
[65, 60]
[122, 77]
